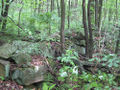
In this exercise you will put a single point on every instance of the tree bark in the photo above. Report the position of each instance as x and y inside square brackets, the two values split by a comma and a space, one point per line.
[58, 7]
[85, 27]
[100, 13]
[69, 14]
[52, 5]
[90, 29]
[5, 14]
[62, 40]
[96, 14]
[118, 39]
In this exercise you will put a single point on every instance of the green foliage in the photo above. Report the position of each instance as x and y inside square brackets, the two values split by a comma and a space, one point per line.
[111, 60]
[35, 17]
[98, 81]
[2, 78]
[68, 57]
[48, 86]
[69, 71]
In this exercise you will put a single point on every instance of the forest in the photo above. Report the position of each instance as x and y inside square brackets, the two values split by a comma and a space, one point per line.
[59, 45]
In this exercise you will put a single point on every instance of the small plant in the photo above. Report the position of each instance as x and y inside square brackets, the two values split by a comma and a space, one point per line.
[111, 60]
[2, 78]
[48, 87]
[69, 71]
[98, 81]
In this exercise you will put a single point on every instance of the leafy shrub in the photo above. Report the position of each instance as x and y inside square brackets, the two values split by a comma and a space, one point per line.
[48, 86]
[69, 71]
[98, 81]
[111, 60]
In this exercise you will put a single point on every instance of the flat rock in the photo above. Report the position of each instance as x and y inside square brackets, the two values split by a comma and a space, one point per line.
[4, 68]
[22, 58]
[28, 76]
[7, 50]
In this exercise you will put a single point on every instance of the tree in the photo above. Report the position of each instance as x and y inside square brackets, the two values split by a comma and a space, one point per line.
[118, 39]
[62, 40]
[90, 29]
[85, 27]
[69, 14]
[4, 13]
[58, 8]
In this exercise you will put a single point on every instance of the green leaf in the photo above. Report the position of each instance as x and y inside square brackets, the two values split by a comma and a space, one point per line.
[2, 78]
[51, 87]
[45, 86]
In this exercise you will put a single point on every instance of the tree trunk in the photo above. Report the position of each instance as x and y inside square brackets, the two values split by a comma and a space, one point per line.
[90, 29]
[52, 5]
[2, 11]
[62, 40]
[68, 14]
[118, 39]
[100, 13]
[5, 14]
[58, 7]
[85, 27]
[96, 14]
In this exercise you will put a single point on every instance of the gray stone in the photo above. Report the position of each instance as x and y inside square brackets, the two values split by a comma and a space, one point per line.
[79, 49]
[22, 58]
[20, 44]
[33, 48]
[4, 68]
[28, 76]
[82, 42]
[7, 50]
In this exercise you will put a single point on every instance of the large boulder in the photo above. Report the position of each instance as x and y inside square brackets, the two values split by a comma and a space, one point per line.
[28, 76]
[42, 48]
[7, 50]
[4, 68]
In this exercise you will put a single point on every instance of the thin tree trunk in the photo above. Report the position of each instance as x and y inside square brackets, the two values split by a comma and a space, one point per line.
[52, 5]
[58, 7]
[85, 27]
[47, 5]
[62, 40]
[118, 39]
[100, 12]
[68, 14]
[96, 14]
[90, 29]
[19, 19]
[5, 14]
[2, 10]
[117, 44]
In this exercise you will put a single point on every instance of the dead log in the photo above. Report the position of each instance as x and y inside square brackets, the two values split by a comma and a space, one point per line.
[86, 65]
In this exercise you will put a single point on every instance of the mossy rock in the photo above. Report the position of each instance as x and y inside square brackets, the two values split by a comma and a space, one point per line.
[22, 58]
[4, 68]
[28, 76]
[7, 50]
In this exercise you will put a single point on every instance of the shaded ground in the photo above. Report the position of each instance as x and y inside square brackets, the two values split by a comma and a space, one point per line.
[10, 85]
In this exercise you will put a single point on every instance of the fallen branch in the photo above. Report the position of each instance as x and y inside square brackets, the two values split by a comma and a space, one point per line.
[52, 72]
[83, 64]
[15, 23]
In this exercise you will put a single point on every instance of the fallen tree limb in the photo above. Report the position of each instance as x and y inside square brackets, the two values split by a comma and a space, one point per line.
[83, 64]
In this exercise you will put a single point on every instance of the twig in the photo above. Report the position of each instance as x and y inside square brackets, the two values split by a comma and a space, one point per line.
[52, 72]
[15, 23]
